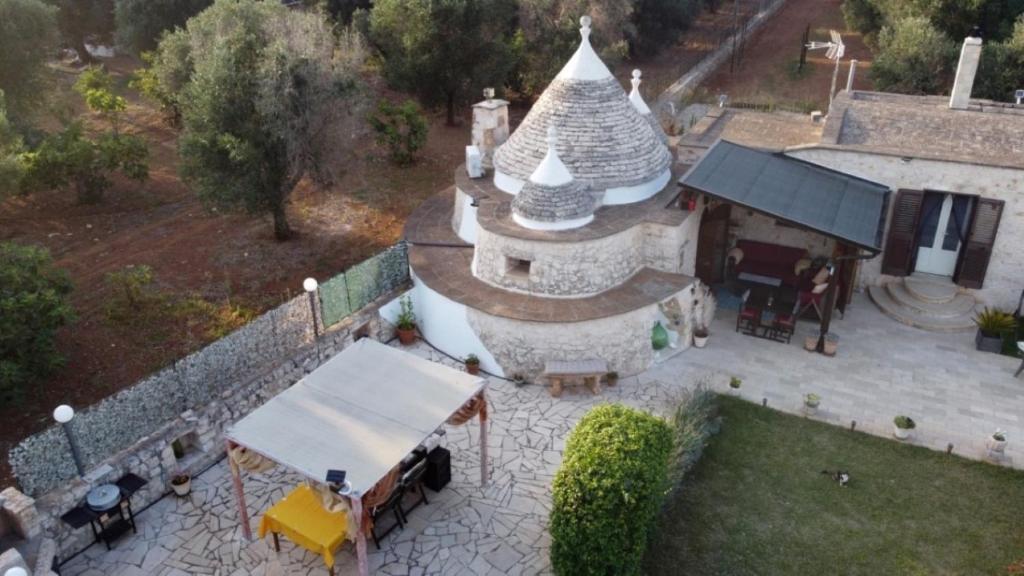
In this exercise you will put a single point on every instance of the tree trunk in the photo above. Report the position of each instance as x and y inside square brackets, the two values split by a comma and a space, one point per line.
[282, 231]
[451, 108]
[83, 54]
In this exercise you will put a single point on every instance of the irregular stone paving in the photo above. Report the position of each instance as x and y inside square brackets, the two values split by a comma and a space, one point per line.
[956, 394]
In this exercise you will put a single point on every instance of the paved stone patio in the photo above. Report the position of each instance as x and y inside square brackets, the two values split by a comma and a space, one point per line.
[956, 394]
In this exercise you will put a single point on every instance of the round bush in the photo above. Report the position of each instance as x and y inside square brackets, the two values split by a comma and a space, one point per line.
[608, 491]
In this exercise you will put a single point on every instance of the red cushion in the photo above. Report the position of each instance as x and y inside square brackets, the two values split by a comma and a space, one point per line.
[774, 260]
[750, 313]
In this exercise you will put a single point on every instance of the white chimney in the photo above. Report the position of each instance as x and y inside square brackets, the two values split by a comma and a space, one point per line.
[970, 56]
[490, 126]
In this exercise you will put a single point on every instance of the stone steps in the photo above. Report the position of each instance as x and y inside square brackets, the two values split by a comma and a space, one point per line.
[928, 288]
[944, 308]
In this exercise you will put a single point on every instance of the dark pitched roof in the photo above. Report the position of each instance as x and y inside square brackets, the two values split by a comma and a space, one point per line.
[833, 203]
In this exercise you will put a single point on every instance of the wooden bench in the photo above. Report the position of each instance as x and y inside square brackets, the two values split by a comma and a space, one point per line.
[562, 372]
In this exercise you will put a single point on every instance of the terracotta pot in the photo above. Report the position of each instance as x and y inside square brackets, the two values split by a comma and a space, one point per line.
[407, 335]
[473, 369]
[810, 343]
[810, 409]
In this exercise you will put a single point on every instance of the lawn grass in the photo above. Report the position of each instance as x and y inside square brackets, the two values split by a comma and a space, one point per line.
[757, 503]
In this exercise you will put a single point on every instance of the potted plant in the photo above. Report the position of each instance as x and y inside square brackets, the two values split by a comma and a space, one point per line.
[704, 310]
[992, 324]
[181, 483]
[734, 385]
[472, 364]
[997, 442]
[903, 426]
[406, 322]
[700, 336]
[811, 403]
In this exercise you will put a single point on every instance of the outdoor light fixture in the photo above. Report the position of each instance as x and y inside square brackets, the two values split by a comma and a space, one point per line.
[16, 572]
[63, 414]
[310, 285]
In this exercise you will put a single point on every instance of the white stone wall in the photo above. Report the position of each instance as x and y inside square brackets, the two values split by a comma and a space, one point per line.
[1005, 277]
[576, 269]
[752, 225]
[623, 341]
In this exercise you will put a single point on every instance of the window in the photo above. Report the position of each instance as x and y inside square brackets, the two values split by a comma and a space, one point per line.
[517, 267]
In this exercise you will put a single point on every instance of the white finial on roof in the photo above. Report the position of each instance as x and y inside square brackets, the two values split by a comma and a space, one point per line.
[585, 63]
[635, 97]
[551, 171]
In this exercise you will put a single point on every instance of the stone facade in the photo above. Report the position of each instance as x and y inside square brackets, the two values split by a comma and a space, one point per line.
[623, 341]
[750, 225]
[200, 430]
[1003, 281]
[574, 269]
[490, 128]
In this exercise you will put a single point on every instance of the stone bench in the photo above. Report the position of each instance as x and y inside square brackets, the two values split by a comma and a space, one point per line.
[587, 372]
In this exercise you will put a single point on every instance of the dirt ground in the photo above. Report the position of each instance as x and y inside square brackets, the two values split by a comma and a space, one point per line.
[767, 67]
[231, 261]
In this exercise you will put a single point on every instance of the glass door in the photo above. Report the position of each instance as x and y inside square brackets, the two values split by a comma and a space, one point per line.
[943, 222]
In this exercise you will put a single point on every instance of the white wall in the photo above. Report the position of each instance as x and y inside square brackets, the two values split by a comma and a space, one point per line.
[1005, 277]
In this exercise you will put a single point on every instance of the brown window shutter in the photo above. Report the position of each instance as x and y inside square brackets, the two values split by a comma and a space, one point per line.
[977, 250]
[899, 248]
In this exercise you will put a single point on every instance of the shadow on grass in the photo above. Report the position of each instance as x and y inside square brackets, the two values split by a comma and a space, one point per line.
[757, 503]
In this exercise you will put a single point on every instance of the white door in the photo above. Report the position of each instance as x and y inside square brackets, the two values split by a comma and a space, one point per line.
[939, 239]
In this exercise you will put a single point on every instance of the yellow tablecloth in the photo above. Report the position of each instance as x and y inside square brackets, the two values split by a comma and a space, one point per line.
[301, 518]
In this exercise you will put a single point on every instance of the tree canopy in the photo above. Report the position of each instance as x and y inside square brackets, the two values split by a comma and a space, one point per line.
[267, 96]
[139, 23]
[28, 38]
[445, 51]
[81, 20]
[913, 58]
[33, 305]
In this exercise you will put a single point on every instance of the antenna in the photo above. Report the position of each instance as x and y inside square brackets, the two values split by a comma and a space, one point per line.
[834, 51]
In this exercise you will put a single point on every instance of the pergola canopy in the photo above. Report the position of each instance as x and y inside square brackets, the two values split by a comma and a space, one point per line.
[836, 204]
[362, 411]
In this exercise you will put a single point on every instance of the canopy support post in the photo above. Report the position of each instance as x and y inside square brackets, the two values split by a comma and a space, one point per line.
[483, 438]
[236, 476]
[357, 509]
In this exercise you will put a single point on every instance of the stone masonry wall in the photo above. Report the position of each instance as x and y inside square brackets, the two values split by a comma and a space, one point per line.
[751, 225]
[1005, 277]
[200, 428]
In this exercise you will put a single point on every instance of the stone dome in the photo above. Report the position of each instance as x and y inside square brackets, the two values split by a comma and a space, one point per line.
[552, 199]
[604, 141]
[638, 102]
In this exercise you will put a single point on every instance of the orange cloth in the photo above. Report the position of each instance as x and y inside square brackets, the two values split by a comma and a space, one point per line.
[301, 518]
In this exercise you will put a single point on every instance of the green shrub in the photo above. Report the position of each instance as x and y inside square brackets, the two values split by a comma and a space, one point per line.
[402, 129]
[993, 322]
[694, 421]
[132, 291]
[608, 491]
[33, 305]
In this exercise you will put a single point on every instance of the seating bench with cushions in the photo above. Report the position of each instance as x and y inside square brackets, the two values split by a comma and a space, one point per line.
[772, 260]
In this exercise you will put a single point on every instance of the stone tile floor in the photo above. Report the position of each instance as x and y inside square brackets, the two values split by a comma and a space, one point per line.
[956, 394]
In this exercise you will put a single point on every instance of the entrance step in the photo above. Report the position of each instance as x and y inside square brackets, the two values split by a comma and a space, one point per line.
[918, 315]
[929, 288]
[962, 304]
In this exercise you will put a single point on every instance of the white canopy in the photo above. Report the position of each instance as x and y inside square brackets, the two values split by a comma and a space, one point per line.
[362, 411]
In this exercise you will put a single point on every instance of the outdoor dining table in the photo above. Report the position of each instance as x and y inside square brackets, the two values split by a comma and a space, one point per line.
[301, 517]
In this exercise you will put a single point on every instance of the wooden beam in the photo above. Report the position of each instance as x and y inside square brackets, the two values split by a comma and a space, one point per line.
[483, 438]
[356, 503]
[236, 476]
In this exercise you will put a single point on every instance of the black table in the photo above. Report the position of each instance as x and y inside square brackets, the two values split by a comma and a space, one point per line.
[110, 524]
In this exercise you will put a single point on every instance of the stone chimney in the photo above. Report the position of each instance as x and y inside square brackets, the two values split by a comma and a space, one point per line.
[490, 126]
[970, 56]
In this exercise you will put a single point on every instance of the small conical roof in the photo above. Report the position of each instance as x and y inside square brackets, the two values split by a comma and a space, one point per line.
[604, 141]
[643, 108]
[551, 199]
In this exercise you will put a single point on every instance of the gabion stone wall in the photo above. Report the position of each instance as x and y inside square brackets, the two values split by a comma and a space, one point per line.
[43, 461]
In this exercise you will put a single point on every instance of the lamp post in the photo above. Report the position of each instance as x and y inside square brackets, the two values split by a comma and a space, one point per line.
[16, 571]
[63, 415]
[310, 285]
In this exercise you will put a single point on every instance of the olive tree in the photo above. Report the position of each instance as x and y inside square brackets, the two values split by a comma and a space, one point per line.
[33, 305]
[268, 96]
[11, 147]
[913, 58]
[28, 38]
[140, 23]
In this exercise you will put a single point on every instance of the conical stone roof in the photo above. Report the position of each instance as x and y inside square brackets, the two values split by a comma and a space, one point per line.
[638, 102]
[603, 139]
[552, 199]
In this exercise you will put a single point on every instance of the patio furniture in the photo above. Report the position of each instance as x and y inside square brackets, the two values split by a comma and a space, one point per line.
[364, 411]
[783, 327]
[763, 316]
[392, 504]
[588, 372]
[439, 469]
[301, 517]
[106, 515]
[764, 259]
[412, 484]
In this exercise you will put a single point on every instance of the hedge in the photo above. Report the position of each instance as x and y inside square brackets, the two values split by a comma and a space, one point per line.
[608, 491]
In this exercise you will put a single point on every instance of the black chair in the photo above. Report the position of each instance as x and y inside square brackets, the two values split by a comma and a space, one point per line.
[412, 483]
[392, 504]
